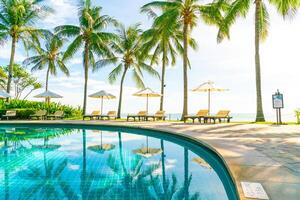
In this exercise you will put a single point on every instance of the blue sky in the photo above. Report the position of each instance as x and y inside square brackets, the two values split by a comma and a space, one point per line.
[229, 64]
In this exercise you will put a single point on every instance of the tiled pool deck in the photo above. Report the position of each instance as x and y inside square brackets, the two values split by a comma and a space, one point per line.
[267, 154]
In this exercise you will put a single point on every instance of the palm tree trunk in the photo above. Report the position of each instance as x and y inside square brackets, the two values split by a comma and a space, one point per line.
[121, 93]
[86, 74]
[186, 173]
[163, 166]
[6, 173]
[121, 152]
[83, 175]
[11, 64]
[259, 107]
[163, 72]
[47, 77]
[185, 68]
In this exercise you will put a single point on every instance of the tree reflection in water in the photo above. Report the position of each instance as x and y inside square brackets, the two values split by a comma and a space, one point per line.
[130, 176]
[133, 178]
[168, 189]
[46, 180]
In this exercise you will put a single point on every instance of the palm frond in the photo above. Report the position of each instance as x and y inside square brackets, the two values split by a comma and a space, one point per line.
[67, 30]
[150, 70]
[73, 47]
[137, 78]
[263, 21]
[115, 73]
[104, 62]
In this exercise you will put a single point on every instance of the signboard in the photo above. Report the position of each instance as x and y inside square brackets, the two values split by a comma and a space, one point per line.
[277, 101]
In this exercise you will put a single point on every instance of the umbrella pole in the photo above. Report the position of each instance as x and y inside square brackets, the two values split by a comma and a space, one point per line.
[101, 105]
[147, 103]
[208, 102]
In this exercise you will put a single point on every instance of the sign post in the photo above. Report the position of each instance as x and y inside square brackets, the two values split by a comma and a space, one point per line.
[277, 100]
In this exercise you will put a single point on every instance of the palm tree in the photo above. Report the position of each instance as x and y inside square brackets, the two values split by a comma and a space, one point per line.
[91, 36]
[186, 12]
[241, 8]
[17, 18]
[128, 56]
[49, 58]
[165, 39]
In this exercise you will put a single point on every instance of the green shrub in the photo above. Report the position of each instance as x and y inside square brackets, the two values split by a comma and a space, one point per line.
[21, 113]
[26, 108]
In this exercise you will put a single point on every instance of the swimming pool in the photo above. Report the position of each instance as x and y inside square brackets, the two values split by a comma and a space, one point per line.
[105, 162]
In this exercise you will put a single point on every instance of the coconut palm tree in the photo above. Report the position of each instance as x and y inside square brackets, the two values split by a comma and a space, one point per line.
[91, 36]
[17, 19]
[165, 41]
[128, 56]
[186, 12]
[241, 8]
[49, 58]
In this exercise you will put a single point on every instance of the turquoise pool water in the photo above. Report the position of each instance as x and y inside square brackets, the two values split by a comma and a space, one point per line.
[75, 162]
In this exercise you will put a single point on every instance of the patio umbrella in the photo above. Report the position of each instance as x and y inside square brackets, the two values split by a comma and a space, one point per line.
[147, 92]
[4, 95]
[102, 95]
[208, 87]
[48, 95]
[102, 147]
[147, 152]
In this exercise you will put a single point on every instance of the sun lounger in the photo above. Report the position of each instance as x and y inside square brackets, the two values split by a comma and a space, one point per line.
[57, 115]
[10, 114]
[110, 115]
[221, 115]
[140, 116]
[159, 115]
[40, 114]
[94, 115]
[200, 115]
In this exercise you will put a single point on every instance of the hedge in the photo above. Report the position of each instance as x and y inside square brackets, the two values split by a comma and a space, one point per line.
[25, 108]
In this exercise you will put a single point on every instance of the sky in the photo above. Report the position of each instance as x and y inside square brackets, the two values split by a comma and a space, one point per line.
[229, 64]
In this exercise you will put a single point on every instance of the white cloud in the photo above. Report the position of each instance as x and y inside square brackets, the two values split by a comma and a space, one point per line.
[65, 11]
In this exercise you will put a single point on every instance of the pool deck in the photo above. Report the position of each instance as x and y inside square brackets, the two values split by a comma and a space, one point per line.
[267, 154]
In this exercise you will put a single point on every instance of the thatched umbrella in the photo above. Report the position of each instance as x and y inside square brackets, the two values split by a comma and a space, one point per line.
[48, 95]
[147, 92]
[208, 87]
[102, 95]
